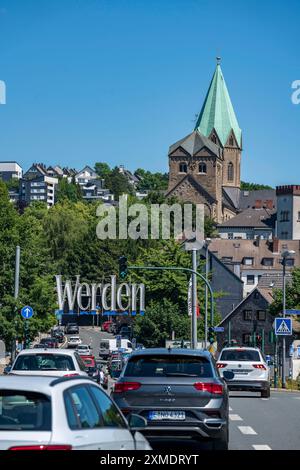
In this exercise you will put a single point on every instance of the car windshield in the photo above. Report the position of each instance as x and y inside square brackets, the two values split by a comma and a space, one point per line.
[164, 366]
[240, 355]
[44, 362]
[24, 411]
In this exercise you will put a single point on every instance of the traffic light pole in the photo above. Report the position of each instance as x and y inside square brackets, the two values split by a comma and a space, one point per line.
[188, 270]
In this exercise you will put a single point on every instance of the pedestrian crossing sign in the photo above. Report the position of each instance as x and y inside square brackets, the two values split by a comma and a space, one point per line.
[283, 326]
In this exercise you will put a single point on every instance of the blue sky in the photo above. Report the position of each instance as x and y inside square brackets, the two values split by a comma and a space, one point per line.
[121, 80]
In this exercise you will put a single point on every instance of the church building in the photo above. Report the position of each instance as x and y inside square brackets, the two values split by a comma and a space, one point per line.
[204, 166]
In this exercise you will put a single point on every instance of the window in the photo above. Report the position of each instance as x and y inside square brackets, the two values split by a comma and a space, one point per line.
[214, 138]
[240, 355]
[246, 339]
[182, 168]
[45, 361]
[248, 315]
[261, 315]
[284, 235]
[298, 216]
[202, 168]
[230, 171]
[168, 366]
[230, 236]
[248, 261]
[290, 262]
[268, 261]
[24, 411]
[227, 258]
[284, 216]
[250, 280]
[231, 141]
[79, 402]
[110, 414]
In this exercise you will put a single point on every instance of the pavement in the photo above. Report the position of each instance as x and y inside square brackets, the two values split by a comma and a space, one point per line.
[255, 423]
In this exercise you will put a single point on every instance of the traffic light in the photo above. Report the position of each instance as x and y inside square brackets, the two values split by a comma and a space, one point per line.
[211, 335]
[123, 268]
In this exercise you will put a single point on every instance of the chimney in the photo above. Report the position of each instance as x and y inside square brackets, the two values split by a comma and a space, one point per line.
[258, 204]
[275, 245]
[269, 204]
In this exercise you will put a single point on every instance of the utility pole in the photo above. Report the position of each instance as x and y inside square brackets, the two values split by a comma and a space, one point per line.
[208, 240]
[16, 295]
[194, 342]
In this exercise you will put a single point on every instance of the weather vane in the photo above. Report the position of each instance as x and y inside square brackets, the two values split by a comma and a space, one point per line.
[218, 60]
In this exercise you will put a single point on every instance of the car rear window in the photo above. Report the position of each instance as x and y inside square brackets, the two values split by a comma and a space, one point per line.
[44, 362]
[240, 355]
[24, 411]
[164, 366]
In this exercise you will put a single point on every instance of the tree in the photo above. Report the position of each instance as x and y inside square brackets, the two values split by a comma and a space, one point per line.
[102, 169]
[292, 295]
[152, 181]
[117, 183]
[253, 186]
[210, 230]
[68, 191]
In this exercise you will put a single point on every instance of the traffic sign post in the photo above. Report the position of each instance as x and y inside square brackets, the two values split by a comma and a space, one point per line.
[118, 341]
[283, 326]
[27, 312]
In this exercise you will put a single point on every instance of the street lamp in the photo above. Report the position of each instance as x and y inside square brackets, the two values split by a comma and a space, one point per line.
[285, 255]
[207, 243]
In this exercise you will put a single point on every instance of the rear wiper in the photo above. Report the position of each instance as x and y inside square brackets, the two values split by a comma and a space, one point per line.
[179, 374]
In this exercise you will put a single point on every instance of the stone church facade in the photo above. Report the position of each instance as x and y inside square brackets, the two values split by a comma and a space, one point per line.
[204, 166]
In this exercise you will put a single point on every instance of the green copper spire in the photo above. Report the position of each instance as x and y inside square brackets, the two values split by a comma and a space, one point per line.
[217, 111]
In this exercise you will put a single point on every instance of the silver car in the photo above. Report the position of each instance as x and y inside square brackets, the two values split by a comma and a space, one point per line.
[47, 413]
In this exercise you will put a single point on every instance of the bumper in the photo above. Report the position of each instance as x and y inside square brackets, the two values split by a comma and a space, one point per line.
[248, 385]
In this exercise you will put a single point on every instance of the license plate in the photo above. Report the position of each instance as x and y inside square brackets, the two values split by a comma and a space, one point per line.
[241, 371]
[166, 415]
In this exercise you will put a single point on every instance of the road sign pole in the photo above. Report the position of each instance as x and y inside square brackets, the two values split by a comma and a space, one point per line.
[16, 295]
[194, 339]
[283, 314]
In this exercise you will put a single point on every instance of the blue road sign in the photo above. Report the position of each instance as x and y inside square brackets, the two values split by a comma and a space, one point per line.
[283, 326]
[118, 341]
[218, 329]
[292, 312]
[27, 312]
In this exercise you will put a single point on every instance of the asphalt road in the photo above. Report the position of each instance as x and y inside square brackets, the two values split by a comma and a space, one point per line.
[255, 423]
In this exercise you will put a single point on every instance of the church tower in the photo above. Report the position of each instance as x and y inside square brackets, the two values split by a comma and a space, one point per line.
[204, 166]
[218, 122]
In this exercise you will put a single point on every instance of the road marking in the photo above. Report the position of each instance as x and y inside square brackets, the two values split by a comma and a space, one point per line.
[265, 398]
[261, 447]
[246, 430]
[235, 418]
[296, 398]
[230, 409]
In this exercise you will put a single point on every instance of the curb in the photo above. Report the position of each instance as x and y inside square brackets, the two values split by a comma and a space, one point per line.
[284, 390]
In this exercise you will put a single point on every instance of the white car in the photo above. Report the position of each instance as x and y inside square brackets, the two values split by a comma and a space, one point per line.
[44, 413]
[250, 368]
[54, 362]
[83, 349]
[74, 341]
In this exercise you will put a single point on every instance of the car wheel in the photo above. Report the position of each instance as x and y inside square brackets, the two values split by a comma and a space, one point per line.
[266, 393]
[221, 443]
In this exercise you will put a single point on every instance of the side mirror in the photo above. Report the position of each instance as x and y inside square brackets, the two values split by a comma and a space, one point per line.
[7, 370]
[228, 375]
[136, 422]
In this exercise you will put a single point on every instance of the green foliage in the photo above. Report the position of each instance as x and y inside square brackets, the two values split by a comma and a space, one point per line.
[102, 169]
[253, 186]
[292, 295]
[210, 230]
[12, 184]
[117, 183]
[70, 191]
[152, 181]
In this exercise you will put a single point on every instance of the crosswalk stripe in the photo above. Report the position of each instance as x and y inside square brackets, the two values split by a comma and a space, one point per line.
[246, 430]
[235, 418]
[261, 447]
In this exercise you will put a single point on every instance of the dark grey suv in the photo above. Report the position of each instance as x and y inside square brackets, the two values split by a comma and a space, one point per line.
[178, 391]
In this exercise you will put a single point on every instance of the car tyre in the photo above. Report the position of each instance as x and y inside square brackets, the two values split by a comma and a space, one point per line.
[266, 393]
[221, 443]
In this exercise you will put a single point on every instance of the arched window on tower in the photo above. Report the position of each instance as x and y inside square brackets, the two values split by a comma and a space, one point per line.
[202, 168]
[182, 167]
[214, 138]
[230, 171]
[231, 141]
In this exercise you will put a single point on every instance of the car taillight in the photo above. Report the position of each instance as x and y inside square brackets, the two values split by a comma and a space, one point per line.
[70, 375]
[42, 447]
[215, 389]
[121, 387]
[259, 366]
[221, 365]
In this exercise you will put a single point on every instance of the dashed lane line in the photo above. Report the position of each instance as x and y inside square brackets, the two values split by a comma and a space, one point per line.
[247, 430]
[235, 417]
[261, 447]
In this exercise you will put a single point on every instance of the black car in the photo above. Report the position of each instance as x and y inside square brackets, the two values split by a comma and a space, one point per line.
[179, 392]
